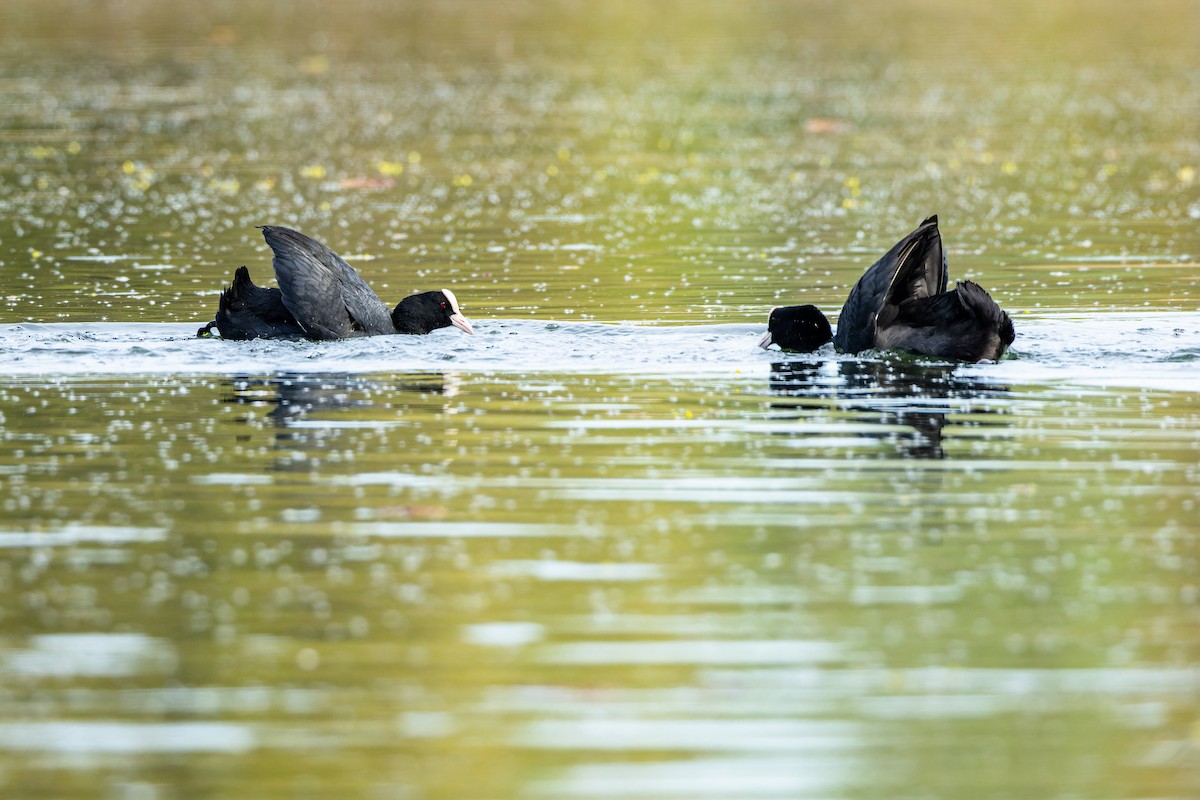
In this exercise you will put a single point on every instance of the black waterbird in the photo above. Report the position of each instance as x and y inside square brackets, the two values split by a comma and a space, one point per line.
[320, 296]
[901, 303]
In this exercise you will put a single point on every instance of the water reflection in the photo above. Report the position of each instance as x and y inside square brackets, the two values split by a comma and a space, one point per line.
[316, 419]
[602, 585]
[294, 396]
[614, 577]
[902, 403]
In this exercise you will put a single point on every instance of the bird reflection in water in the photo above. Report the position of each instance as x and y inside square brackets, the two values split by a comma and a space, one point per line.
[295, 395]
[306, 410]
[886, 393]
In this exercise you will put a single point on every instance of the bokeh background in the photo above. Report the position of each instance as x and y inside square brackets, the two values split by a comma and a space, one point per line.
[709, 158]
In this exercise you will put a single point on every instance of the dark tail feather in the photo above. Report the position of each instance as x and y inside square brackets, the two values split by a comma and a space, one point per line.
[240, 289]
[981, 305]
[233, 296]
[247, 311]
[232, 301]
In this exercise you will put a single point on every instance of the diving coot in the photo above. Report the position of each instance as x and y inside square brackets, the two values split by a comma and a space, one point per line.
[320, 296]
[901, 303]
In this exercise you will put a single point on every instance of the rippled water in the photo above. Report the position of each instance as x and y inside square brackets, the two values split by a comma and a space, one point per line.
[607, 547]
[822, 578]
[509, 345]
[1158, 350]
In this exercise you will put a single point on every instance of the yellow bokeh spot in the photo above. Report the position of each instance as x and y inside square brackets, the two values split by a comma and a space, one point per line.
[1186, 175]
[315, 65]
[390, 169]
[129, 168]
[552, 170]
[463, 180]
[600, 176]
[1009, 168]
[648, 175]
[225, 185]
[564, 154]
[265, 184]
[74, 148]
[849, 203]
[35, 253]
[325, 206]
[315, 171]
[414, 157]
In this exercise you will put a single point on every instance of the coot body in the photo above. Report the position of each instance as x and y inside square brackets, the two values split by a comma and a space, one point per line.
[320, 297]
[901, 303]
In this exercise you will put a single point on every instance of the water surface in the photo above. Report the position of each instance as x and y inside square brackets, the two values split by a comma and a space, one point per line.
[607, 547]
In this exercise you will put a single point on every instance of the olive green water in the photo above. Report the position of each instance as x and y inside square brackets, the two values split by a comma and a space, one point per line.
[623, 577]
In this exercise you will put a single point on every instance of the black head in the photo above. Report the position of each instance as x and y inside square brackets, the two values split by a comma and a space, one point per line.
[800, 328]
[428, 311]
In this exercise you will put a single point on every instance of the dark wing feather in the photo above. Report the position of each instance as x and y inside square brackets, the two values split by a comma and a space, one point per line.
[921, 271]
[965, 325]
[324, 293]
[919, 257]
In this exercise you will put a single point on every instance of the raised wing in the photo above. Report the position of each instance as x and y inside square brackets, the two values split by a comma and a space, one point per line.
[916, 265]
[920, 272]
[324, 293]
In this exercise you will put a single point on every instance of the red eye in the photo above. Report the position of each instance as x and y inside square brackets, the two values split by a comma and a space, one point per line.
[442, 304]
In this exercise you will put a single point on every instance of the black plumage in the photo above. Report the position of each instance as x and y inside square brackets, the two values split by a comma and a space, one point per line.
[320, 296]
[901, 303]
[246, 311]
[915, 267]
[800, 328]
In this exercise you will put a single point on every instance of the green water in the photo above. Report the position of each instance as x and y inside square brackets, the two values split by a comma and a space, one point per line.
[622, 577]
